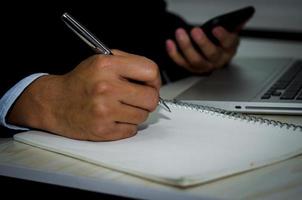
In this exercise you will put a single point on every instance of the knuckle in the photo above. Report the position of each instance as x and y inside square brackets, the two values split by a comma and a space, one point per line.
[102, 87]
[102, 61]
[101, 111]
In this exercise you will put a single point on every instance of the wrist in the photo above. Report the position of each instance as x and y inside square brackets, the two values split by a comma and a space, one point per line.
[36, 106]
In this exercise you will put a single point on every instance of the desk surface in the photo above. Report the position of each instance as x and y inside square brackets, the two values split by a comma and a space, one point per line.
[278, 181]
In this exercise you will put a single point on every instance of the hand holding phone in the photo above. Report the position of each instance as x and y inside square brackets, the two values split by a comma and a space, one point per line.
[231, 21]
[189, 50]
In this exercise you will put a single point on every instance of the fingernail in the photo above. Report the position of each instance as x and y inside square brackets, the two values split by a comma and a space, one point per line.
[197, 33]
[218, 31]
[180, 33]
[169, 45]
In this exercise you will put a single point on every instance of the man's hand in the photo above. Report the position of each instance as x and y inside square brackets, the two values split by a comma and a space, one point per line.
[209, 56]
[103, 98]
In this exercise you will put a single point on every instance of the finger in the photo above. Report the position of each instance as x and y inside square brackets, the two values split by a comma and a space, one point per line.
[122, 90]
[133, 67]
[145, 68]
[210, 50]
[227, 40]
[141, 69]
[137, 95]
[175, 55]
[125, 130]
[117, 111]
[117, 131]
[190, 53]
[130, 114]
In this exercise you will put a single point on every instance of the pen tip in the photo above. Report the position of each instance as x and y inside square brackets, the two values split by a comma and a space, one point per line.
[168, 109]
[165, 105]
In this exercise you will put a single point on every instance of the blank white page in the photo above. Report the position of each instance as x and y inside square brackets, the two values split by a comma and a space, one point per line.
[182, 148]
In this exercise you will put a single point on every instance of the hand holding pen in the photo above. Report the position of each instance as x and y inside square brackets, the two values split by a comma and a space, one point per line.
[93, 42]
[94, 101]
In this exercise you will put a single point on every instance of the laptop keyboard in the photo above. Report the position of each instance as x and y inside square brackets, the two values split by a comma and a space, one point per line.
[288, 86]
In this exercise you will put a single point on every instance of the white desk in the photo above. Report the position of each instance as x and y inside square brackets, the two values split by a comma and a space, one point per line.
[279, 181]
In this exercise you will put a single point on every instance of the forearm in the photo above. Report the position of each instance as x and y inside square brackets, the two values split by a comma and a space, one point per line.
[11, 95]
[35, 107]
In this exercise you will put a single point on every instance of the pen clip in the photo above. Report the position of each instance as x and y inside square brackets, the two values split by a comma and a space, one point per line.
[85, 35]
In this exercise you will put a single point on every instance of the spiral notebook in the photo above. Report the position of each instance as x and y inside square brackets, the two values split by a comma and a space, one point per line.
[189, 146]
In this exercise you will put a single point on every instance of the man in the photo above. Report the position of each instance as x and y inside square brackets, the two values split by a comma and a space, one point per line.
[96, 97]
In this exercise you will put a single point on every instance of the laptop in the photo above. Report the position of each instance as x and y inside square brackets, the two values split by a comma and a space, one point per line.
[251, 85]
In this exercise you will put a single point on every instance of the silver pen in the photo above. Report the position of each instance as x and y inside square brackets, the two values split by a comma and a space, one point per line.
[93, 42]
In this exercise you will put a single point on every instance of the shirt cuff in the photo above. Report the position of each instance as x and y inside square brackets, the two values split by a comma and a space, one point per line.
[10, 97]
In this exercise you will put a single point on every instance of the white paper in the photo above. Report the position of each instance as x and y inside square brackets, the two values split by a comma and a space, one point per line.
[182, 148]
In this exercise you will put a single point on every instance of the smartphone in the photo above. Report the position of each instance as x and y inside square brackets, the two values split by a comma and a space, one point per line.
[231, 21]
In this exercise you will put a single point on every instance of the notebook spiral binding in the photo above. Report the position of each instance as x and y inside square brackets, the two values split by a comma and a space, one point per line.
[235, 115]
